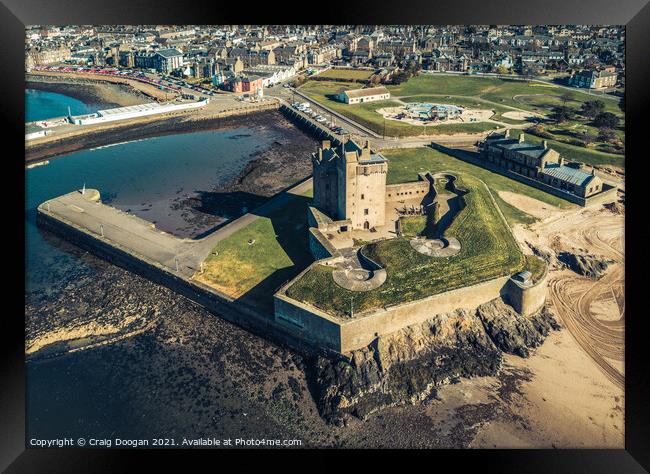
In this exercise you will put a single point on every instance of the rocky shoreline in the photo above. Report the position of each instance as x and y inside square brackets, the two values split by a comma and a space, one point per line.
[408, 366]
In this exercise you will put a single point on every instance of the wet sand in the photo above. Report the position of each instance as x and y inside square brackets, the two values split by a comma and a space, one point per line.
[104, 95]
[193, 374]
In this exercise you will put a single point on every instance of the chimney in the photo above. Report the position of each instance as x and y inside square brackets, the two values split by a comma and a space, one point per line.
[507, 134]
[545, 144]
[561, 161]
[367, 144]
[521, 138]
[325, 144]
[593, 171]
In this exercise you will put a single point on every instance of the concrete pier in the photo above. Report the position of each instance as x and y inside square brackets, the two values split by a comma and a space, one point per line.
[135, 244]
[141, 238]
[114, 226]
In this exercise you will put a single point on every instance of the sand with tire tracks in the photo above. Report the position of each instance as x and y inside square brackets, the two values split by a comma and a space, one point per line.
[576, 395]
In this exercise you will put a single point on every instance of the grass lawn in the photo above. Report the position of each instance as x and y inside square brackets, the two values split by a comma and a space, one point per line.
[535, 96]
[578, 153]
[502, 93]
[350, 74]
[488, 251]
[411, 226]
[405, 163]
[279, 252]
[366, 114]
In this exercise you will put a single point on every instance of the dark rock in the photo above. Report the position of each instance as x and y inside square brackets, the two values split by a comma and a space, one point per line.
[405, 367]
[587, 265]
[512, 332]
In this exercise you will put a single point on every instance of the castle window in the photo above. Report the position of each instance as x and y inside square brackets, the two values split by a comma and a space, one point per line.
[365, 212]
[362, 196]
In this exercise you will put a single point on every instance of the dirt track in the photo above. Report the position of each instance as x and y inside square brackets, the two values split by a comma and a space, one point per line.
[592, 310]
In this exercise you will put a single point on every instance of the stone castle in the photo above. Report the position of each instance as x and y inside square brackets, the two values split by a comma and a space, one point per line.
[350, 184]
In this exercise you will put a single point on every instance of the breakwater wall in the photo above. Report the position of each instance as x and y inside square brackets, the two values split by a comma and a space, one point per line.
[305, 123]
[238, 312]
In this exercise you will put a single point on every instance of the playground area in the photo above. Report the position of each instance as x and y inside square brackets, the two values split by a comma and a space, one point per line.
[434, 114]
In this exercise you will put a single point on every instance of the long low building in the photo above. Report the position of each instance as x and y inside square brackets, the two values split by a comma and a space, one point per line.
[133, 111]
[539, 162]
[359, 96]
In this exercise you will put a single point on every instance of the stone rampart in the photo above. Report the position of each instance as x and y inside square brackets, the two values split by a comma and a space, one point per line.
[400, 192]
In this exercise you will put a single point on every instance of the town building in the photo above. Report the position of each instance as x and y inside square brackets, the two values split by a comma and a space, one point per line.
[164, 60]
[271, 74]
[359, 96]
[350, 184]
[594, 79]
[41, 57]
[539, 162]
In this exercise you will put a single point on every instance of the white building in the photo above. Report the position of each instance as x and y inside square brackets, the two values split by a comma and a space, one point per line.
[133, 111]
[359, 96]
[271, 73]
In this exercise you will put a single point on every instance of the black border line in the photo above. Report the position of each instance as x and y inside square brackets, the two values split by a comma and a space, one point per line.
[635, 14]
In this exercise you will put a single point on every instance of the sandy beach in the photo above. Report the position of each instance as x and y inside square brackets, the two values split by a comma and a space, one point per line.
[102, 94]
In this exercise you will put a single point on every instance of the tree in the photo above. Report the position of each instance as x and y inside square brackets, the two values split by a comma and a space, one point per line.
[592, 108]
[606, 120]
[561, 114]
[607, 135]
[566, 97]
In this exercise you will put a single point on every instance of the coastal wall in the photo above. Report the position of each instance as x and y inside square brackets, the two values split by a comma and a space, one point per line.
[364, 328]
[527, 300]
[250, 318]
[305, 123]
[125, 113]
[310, 324]
[344, 335]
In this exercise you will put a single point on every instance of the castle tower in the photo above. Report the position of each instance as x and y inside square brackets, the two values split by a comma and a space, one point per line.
[350, 183]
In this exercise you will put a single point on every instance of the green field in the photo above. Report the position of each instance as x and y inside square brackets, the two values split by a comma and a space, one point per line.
[254, 271]
[323, 92]
[578, 153]
[405, 163]
[488, 251]
[533, 96]
[499, 95]
[361, 75]
[412, 226]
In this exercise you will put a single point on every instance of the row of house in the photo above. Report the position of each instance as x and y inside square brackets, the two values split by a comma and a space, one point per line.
[476, 48]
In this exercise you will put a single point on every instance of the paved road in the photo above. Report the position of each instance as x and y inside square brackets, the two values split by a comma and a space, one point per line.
[141, 237]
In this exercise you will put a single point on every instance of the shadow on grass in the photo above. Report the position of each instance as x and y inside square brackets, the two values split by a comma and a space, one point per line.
[288, 216]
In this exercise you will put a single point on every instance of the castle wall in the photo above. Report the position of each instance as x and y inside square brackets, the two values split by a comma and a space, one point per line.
[527, 301]
[307, 323]
[361, 331]
[319, 246]
[399, 192]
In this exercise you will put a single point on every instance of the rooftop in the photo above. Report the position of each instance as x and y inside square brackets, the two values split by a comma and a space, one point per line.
[529, 149]
[568, 174]
[169, 53]
[130, 108]
[354, 93]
